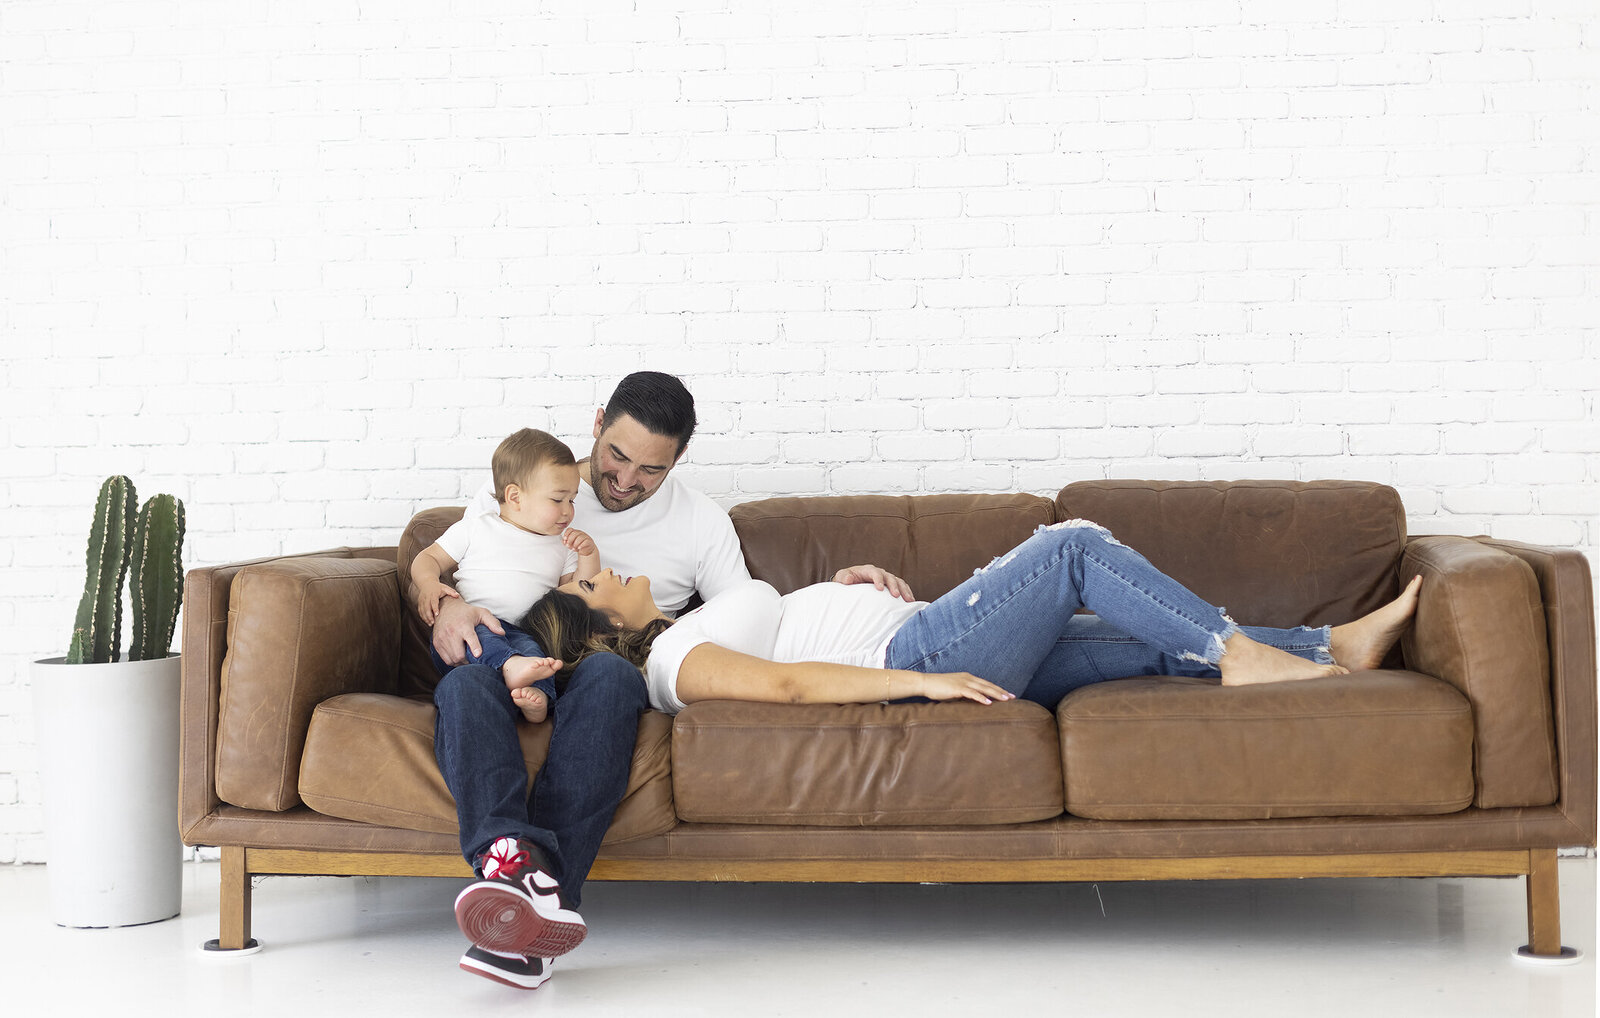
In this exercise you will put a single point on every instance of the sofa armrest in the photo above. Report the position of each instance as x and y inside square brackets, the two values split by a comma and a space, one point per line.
[299, 631]
[1481, 627]
[1567, 588]
[207, 592]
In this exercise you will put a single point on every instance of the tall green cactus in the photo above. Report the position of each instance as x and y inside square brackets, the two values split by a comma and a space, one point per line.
[151, 543]
[97, 630]
[157, 580]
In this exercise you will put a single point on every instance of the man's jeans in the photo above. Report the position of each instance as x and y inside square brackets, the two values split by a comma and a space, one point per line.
[1013, 621]
[583, 778]
[496, 650]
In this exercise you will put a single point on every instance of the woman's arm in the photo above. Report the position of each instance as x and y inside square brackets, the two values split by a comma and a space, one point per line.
[711, 672]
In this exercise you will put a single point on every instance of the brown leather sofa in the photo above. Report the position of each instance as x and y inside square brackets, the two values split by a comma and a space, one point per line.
[308, 729]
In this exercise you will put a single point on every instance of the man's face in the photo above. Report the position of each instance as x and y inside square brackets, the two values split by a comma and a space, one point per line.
[629, 462]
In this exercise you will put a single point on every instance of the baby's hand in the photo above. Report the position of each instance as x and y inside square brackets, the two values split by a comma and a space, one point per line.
[430, 597]
[579, 542]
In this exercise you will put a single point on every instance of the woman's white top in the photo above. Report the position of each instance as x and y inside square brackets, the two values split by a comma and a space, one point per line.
[501, 567]
[833, 622]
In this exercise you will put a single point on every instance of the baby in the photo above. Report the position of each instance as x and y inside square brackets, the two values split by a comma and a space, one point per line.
[506, 562]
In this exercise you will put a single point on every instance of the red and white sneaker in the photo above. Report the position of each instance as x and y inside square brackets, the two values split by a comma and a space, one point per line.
[517, 907]
[511, 969]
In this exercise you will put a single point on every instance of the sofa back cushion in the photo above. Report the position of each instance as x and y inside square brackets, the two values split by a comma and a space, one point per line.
[932, 541]
[1272, 553]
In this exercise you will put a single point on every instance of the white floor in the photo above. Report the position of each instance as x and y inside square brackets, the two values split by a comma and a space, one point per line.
[388, 947]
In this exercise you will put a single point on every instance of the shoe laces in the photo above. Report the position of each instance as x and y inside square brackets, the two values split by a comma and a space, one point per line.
[505, 858]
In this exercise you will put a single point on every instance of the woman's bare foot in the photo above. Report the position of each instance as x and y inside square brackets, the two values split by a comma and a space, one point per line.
[1364, 643]
[535, 708]
[1246, 663]
[520, 672]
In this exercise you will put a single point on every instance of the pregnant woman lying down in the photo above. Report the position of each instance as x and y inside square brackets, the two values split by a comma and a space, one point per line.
[1010, 631]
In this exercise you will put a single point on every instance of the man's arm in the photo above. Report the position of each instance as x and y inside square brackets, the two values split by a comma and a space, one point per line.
[719, 559]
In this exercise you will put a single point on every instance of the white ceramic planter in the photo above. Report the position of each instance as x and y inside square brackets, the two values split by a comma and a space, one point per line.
[108, 761]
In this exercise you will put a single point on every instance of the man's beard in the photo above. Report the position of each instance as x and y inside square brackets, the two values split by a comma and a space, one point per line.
[602, 492]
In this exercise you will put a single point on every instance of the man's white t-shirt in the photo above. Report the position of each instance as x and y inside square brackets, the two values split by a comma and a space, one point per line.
[830, 622]
[501, 567]
[678, 537]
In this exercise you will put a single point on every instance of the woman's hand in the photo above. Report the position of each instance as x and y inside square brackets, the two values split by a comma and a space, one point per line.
[877, 577]
[960, 686]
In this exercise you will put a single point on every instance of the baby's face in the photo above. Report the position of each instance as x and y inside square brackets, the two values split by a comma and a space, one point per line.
[544, 505]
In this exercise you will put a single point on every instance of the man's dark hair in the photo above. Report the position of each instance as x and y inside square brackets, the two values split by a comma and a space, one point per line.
[657, 400]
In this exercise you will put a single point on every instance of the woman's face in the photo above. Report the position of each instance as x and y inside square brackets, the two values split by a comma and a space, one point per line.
[625, 599]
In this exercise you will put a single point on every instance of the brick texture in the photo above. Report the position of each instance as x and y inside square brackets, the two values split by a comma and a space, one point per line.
[303, 264]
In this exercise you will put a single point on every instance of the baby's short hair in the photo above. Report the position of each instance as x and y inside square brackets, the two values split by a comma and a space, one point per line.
[524, 452]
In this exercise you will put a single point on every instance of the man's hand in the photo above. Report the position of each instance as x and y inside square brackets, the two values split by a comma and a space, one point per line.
[877, 577]
[454, 631]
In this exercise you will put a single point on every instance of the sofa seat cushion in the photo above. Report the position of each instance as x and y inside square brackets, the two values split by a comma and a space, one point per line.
[370, 757]
[1379, 743]
[865, 764]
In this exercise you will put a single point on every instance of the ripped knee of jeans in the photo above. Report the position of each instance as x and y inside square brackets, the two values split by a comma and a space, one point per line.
[1076, 524]
[998, 562]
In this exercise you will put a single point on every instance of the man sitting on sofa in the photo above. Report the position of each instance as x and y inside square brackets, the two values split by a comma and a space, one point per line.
[533, 850]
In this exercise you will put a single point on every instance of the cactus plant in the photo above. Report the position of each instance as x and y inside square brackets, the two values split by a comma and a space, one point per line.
[97, 630]
[152, 541]
[156, 582]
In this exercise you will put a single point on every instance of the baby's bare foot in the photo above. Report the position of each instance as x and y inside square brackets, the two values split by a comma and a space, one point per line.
[1245, 663]
[1364, 643]
[535, 708]
[520, 672]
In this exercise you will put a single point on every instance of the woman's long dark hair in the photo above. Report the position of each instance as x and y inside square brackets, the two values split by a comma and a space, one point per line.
[569, 629]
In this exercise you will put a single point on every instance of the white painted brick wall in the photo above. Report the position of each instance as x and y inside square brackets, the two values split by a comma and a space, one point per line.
[303, 264]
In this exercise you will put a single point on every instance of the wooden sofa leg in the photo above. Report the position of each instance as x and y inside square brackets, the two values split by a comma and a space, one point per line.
[234, 927]
[1544, 910]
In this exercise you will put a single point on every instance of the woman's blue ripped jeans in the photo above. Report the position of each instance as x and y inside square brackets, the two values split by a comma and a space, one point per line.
[1014, 623]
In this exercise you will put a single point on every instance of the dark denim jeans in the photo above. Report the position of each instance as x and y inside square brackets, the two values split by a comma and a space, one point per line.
[497, 650]
[576, 791]
[1014, 621]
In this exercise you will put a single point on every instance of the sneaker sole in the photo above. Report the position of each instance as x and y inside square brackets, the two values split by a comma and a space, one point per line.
[554, 938]
[498, 918]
